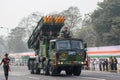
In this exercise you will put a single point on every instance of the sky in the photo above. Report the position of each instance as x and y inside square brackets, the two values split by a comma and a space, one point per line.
[12, 11]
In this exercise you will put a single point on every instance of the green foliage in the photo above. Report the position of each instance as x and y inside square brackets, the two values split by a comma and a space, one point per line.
[106, 22]
[88, 34]
[102, 27]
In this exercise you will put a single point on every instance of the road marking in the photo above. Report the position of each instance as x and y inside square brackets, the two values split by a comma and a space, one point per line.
[17, 74]
[93, 78]
[34, 78]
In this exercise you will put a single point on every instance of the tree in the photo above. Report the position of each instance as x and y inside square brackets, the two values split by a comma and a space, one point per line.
[87, 32]
[30, 22]
[3, 47]
[103, 19]
[72, 17]
[19, 36]
[16, 40]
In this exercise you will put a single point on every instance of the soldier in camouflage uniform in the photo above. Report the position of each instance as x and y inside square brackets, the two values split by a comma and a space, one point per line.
[64, 33]
[109, 64]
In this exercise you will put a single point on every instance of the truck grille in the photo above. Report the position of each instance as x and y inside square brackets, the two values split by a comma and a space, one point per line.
[72, 55]
[71, 58]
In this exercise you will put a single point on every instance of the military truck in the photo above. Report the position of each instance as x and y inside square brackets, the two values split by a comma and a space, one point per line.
[55, 50]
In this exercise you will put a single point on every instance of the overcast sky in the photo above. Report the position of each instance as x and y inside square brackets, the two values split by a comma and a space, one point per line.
[12, 11]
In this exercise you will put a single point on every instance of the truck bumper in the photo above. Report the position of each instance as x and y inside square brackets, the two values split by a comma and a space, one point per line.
[70, 63]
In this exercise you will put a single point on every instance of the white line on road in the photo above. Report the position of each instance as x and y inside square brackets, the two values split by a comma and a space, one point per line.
[93, 78]
[34, 78]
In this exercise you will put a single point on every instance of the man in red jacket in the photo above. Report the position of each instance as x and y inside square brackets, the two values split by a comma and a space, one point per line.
[6, 66]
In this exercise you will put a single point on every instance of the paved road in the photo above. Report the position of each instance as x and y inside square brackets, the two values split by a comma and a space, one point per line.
[21, 73]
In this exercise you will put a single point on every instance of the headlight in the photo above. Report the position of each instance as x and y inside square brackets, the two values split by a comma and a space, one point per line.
[58, 62]
[81, 62]
[61, 62]
[84, 62]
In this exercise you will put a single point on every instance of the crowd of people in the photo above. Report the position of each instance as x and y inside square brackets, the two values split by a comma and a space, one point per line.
[101, 64]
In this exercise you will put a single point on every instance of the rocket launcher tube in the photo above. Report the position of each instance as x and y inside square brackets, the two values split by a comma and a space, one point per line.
[46, 25]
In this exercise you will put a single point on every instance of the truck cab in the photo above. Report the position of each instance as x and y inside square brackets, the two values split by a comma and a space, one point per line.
[68, 55]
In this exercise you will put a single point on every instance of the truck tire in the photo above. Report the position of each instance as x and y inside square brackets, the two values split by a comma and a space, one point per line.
[52, 71]
[47, 70]
[58, 71]
[32, 68]
[68, 72]
[37, 70]
[77, 71]
[32, 71]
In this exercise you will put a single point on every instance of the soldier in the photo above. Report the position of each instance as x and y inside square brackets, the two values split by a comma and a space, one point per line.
[100, 64]
[6, 66]
[106, 64]
[115, 63]
[65, 33]
[110, 63]
[103, 64]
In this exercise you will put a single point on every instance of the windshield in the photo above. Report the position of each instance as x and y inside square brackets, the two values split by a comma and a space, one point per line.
[67, 44]
[76, 44]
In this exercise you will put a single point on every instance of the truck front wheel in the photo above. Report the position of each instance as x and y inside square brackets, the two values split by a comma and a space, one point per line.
[68, 71]
[77, 71]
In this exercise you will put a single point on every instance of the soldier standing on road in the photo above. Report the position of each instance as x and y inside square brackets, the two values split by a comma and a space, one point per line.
[110, 63]
[6, 66]
[106, 64]
[115, 63]
[100, 64]
[103, 64]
